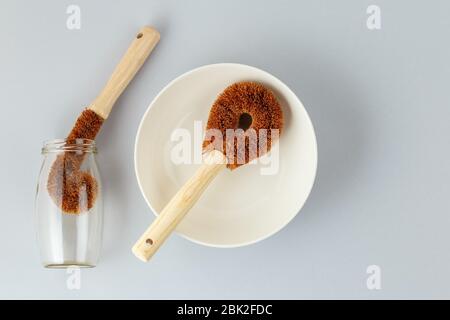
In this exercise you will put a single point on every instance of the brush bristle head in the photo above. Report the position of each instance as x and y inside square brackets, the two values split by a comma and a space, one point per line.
[72, 189]
[254, 109]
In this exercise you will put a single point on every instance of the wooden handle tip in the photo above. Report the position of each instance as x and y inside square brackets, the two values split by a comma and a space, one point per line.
[139, 254]
[148, 30]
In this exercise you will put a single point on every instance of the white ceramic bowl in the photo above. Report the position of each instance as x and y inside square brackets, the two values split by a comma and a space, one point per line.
[240, 207]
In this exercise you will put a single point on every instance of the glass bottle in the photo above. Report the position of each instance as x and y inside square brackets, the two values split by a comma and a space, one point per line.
[69, 208]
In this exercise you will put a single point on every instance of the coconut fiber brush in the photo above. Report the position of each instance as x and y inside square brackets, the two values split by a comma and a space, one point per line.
[66, 178]
[243, 124]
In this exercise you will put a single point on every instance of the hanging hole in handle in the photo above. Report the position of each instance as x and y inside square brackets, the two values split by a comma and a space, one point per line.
[139, 35]
[149, 241]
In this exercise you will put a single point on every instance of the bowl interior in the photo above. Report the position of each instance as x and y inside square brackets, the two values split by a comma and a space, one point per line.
[241, 206]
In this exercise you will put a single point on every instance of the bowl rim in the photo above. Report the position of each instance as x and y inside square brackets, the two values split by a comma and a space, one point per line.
[285, 87]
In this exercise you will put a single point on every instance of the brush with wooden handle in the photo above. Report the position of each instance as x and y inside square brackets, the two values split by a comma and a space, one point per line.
[65, 178]
[244, 107]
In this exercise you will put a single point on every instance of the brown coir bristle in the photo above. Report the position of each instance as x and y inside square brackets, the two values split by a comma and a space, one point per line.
[72, 189]
[87, 126]
[245, 105]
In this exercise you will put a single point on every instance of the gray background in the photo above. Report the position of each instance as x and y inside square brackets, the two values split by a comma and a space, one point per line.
[378, 99]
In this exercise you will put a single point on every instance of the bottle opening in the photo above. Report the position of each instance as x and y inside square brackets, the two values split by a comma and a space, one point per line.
[73, 145]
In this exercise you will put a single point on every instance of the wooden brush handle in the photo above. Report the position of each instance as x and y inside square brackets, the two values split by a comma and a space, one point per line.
[144, 42]
[178, 206]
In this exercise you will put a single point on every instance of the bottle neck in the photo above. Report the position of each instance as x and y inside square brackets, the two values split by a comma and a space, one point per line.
[64, 145]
